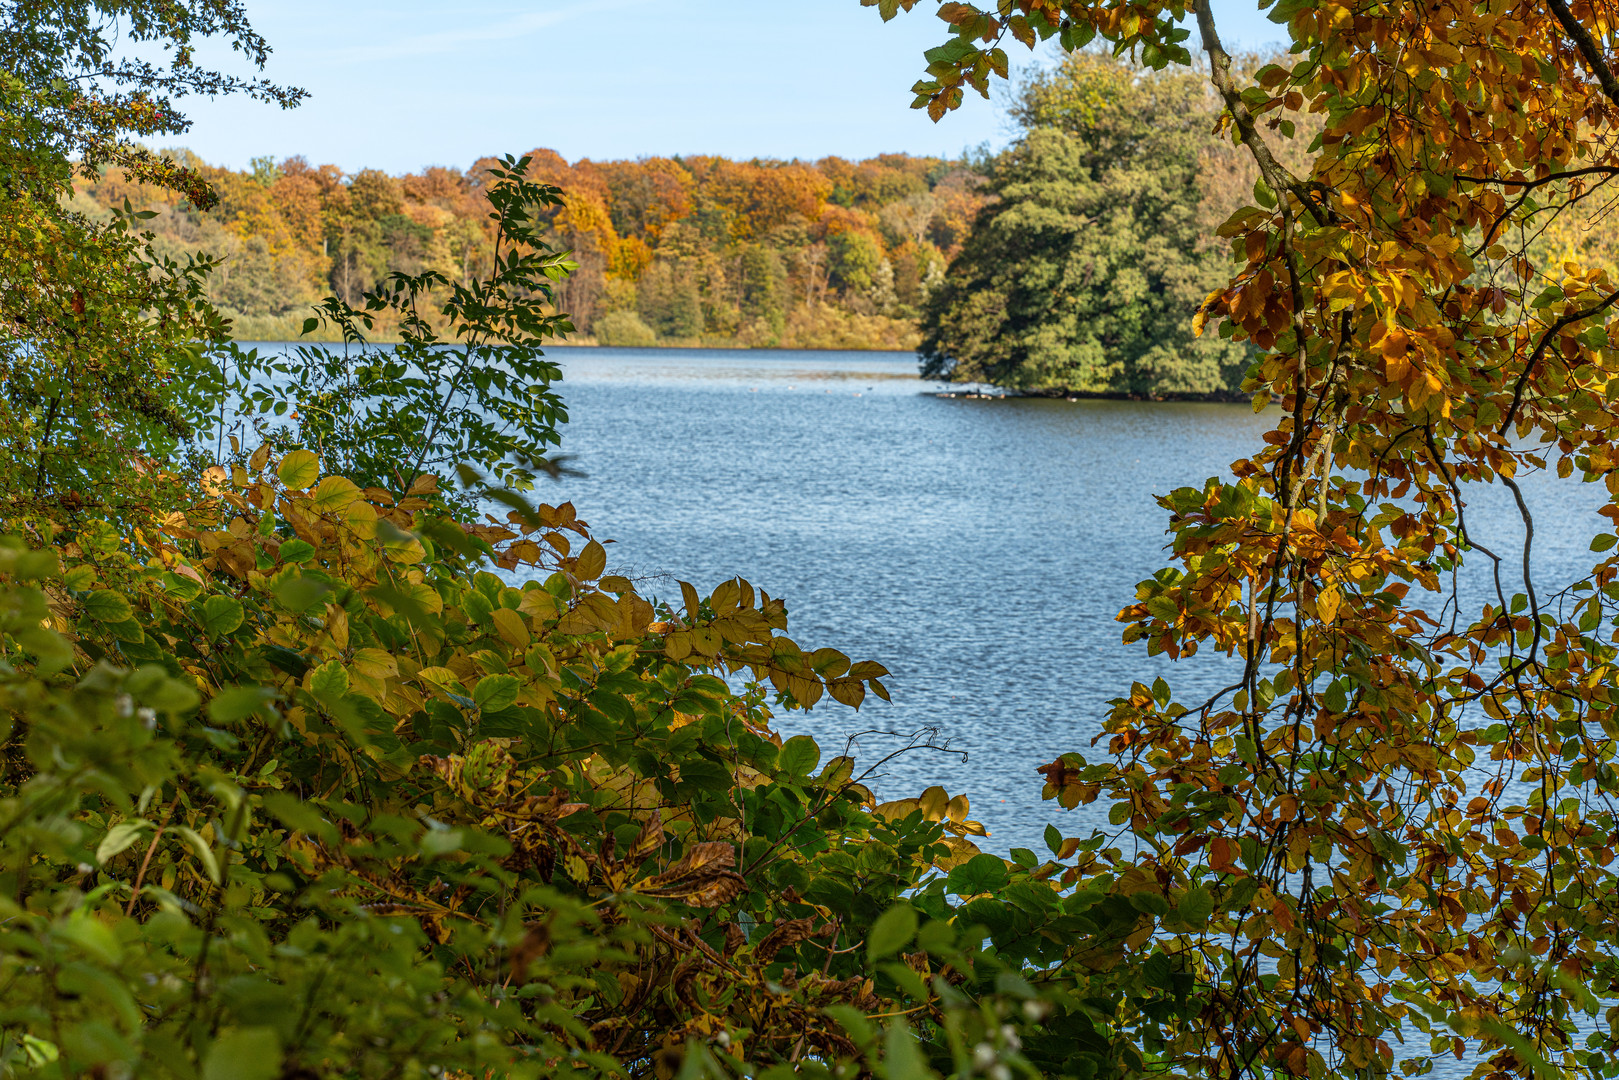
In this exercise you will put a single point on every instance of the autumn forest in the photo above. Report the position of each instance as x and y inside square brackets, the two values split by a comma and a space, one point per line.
[834, 254]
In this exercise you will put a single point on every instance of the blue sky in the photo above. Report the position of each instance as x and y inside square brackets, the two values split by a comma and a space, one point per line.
[400, 84]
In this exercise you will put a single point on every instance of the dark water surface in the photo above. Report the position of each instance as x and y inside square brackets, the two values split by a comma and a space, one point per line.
[980, 548]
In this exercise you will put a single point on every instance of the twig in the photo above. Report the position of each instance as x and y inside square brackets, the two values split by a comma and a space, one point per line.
[135, 892]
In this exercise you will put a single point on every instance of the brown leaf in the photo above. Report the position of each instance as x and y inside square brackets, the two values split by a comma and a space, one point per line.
[706, 858]
[785, 934]
[708, 891]
[596, 612]
[850, 692]
[666, 1062]
[535, 944]
[681, 983]
[702, 877]
[648, 840]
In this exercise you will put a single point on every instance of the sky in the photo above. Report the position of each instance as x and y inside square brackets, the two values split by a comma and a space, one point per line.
[403, 84]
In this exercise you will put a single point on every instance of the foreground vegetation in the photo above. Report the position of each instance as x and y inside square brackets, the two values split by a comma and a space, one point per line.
[1404, 807]
[309, 769]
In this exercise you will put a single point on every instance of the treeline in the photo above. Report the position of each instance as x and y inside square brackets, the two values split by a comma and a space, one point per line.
[681, 251]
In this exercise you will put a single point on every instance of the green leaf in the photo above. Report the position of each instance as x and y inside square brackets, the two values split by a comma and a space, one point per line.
[205, 853]
[1194, 907]
[92, 935]
[982, 873]
[906, 978]
[951, 52]
[1263, 195]
[295, 551]
[837, 771]
[334, 495]
[1149, 902]
[299, 594]
[891, 932]
[1076, 36]
[436, 842]
[1604, 541]
[853, 1021]
[496, 692]
[298, 470]
[107, 606]
[152, 685]
[1054, 839]
[183, 587]
[903, 1054]
[119, 837]
[1548, 296]
[50, 649]
[799, 755]
[285, 659]
[329, 682]
[221, 615]
[90, 982]
[298, 815]
[248, 1053]
[936, 936]
[238, 702]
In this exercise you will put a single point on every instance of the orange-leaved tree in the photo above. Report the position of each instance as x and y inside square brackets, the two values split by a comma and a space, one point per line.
[1403, 807]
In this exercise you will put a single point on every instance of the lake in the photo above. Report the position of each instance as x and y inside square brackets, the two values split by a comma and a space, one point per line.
[978, 547]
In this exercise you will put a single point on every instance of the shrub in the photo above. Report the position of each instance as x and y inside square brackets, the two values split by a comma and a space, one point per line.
[624, 329]
[297, 787]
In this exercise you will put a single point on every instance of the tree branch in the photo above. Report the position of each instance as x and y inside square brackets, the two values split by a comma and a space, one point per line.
[1540, 350]
[1588, 48]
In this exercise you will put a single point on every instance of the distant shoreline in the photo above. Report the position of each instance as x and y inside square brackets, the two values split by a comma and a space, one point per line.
[591, 344]
[968, 391]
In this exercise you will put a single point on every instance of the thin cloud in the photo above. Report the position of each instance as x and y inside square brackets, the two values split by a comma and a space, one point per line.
[451, 41]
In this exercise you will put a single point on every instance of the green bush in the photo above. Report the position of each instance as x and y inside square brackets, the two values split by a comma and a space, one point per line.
[295, 782]
[624, 329]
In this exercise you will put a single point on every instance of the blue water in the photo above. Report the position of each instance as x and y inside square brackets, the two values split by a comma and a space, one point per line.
[980, 548]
